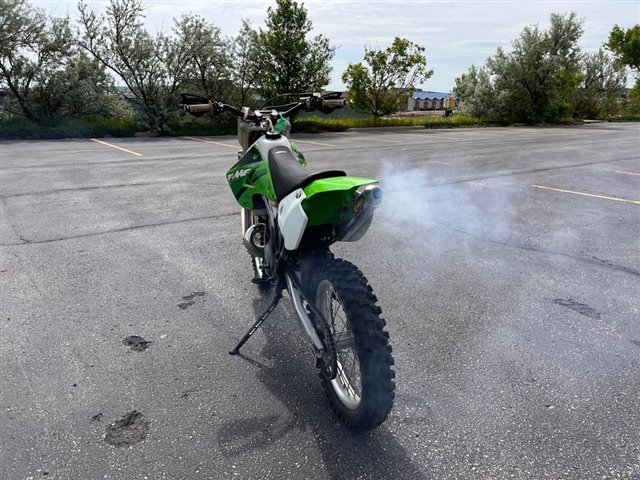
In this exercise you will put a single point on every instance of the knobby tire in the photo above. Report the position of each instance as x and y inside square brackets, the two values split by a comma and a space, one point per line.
[368, 339]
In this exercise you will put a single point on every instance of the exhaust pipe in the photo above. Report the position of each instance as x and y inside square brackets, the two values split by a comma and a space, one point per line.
[373, 195]
[367, 200]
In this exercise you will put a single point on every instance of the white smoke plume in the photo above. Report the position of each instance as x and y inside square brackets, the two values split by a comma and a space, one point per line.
[415, 198]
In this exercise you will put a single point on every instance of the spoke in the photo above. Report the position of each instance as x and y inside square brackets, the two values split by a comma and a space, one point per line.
[344, 341]
[345, 382]
[344, 325]
[351, 376]
[356, 370]
[333, 297]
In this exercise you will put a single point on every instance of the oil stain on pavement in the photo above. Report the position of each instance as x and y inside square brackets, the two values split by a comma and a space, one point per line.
[190, 300]
[581, 308]
[137, 343]
[129, 430]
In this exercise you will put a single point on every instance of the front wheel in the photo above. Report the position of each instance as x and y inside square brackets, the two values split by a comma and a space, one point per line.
[362, 387]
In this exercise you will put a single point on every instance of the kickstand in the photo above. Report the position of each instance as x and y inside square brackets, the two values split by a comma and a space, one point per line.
[274, 302]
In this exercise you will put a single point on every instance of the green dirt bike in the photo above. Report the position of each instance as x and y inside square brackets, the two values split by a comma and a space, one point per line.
[291, 215]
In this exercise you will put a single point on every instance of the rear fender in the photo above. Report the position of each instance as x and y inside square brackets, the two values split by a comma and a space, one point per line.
[337, 203]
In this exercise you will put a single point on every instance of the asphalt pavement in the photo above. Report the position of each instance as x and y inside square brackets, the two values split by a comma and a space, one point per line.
[506, 262]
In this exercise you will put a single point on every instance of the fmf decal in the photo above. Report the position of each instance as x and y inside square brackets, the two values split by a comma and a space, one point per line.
[243, 172]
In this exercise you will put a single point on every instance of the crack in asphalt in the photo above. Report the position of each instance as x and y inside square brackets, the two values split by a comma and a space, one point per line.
[94, 187]
[13, 227]
[205, 155]
[512, 174]
[591, 261]
[117, 230]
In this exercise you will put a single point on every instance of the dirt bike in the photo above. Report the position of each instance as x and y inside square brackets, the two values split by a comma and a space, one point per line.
[291, 215]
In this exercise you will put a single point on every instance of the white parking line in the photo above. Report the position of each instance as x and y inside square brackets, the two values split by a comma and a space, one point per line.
[628, 173]
[604, 197]
[313, 143]
[236, 147]
[378, 140]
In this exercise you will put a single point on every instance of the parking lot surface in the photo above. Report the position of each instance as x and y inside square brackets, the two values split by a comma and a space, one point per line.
[506, 262]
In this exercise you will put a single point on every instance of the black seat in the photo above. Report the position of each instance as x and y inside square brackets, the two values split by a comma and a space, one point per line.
[288, 175]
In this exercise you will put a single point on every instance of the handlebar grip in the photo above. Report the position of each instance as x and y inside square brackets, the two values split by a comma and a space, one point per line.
[199, 108]
[333, 103]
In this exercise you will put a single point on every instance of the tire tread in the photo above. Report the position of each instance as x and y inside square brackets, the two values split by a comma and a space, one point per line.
[372, 341]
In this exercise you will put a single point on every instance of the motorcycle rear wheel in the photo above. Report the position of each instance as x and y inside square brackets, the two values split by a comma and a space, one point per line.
[363, 388]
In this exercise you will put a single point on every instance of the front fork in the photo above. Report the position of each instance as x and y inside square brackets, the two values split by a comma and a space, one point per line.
[301, 304]
[289, 279]
[246, 218]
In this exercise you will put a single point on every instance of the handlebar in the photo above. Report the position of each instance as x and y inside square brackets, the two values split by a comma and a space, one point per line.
[333, 104]
[199, 105]
[199, 108]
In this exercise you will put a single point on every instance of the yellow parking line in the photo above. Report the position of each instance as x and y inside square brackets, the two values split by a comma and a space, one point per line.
[628, 173]
[236, 147]
[116, 147]
[615, 199]
[314, 143]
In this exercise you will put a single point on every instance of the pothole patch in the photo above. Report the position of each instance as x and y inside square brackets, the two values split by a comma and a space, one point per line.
[136, 343]
[129, 430]
[190, 300]
[581, 308]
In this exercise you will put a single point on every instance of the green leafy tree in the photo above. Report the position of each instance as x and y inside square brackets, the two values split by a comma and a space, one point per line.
[625, 45]
[475, 93]
[42, 70]
[246, 67]
[151, 67]
[535, 81]
[289, 61]
[208, 69]
[389, 76]
[602, 82]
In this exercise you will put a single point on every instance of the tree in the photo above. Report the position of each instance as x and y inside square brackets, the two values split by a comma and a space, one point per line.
[602, 82]
[476, 94]
[208, 69]
[625, 45]
[288, 61]
[151, 67]
[388, 78]
[45, 74]
[246, 68]
[534, 82]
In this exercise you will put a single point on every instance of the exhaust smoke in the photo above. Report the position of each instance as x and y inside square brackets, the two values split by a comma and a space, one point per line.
[418, 199]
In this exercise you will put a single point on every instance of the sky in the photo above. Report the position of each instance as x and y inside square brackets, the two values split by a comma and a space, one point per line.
[456, 34]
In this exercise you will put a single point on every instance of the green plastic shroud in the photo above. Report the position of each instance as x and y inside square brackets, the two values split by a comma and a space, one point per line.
[331, 200]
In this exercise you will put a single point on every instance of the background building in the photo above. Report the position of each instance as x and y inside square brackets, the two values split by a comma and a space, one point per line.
[420, 100]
